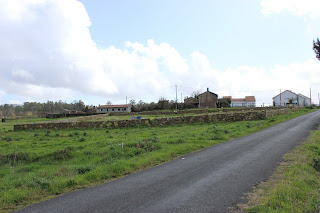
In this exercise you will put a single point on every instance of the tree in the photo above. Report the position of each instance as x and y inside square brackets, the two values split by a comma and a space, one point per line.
[162, 98]
[140, 103]
[316, 48]
[132, 102]
[109, 103]
[196, 93]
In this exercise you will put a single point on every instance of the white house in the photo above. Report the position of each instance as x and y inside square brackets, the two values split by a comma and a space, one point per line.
[114, 108]
[289, 97]
[248, 101]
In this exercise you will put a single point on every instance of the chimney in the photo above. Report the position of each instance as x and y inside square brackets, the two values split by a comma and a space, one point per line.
[207, 89]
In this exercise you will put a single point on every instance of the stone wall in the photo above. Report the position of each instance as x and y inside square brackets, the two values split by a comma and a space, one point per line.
[198, 111]
[148, 122]
[207, 118]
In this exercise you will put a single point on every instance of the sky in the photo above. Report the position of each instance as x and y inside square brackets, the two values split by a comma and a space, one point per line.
[104, 50]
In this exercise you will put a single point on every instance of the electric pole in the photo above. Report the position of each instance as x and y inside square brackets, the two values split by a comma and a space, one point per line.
[280, 97]
[310, 96]
[176, 98]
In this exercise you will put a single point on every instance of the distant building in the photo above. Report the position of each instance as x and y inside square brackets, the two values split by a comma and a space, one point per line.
[248, 101]
[193, 101]
[206, 99]
[113, 108]
[288, 97]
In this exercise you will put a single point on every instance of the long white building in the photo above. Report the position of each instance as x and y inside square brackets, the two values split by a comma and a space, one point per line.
[114, 108]
[289, 97]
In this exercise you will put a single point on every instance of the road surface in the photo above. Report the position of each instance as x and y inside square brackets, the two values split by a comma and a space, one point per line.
[210, 180]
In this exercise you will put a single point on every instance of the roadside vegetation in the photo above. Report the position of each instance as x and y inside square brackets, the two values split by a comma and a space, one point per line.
[40, 164]
[295, 186]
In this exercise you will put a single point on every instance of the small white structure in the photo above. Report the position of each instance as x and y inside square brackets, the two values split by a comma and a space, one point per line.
[248, 101]
[289, 97]
[113, 108]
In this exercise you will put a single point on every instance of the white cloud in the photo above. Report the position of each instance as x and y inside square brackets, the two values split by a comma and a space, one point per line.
[56, 55]
[47, 44]
[310, 8]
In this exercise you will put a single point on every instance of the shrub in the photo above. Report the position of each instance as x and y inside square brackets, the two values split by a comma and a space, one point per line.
[226, 131]
[7, 138]
[83, 169]
[82, 140]
[316, 163]
[62, 154]
[71, 183]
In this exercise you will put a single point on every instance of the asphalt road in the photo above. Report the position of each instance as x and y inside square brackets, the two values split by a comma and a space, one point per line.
[210, 180]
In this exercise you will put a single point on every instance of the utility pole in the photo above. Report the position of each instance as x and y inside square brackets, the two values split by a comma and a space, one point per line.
[310, 96]
[126, 101]
[176, 98]
[181, 97]
[280, 97]
[319, 99]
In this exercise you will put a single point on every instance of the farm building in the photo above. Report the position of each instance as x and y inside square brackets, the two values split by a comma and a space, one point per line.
[247, 101]
[206, 99]
[114, 108]
[289, 97]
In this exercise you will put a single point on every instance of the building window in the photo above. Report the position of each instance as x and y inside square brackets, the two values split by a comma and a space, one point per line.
[101, 110]
[118, 109]
[112, 109]
[124, 109]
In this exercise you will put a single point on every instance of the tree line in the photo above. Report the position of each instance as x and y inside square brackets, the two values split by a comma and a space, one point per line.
[35, 109]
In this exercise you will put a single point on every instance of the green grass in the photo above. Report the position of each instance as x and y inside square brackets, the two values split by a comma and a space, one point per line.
[295, 186]
[40, 164]
[9, 123]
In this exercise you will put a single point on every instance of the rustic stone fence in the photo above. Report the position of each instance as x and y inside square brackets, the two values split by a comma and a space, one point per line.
[196, 111]
[207, 118]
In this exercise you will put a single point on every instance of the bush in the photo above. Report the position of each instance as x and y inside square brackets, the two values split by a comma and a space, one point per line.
[83, 169]
[7, 138]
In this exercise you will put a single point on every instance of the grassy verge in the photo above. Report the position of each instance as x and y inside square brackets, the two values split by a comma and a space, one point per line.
[40, 164]
[295, 186]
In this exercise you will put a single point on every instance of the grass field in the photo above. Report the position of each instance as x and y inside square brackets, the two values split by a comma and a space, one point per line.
[37, 165]
[8, 125]
[295, 186]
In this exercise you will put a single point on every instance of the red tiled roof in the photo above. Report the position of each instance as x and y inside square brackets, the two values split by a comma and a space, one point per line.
[114, 106]
[247, 99]
[238, 99]
[250, 98]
